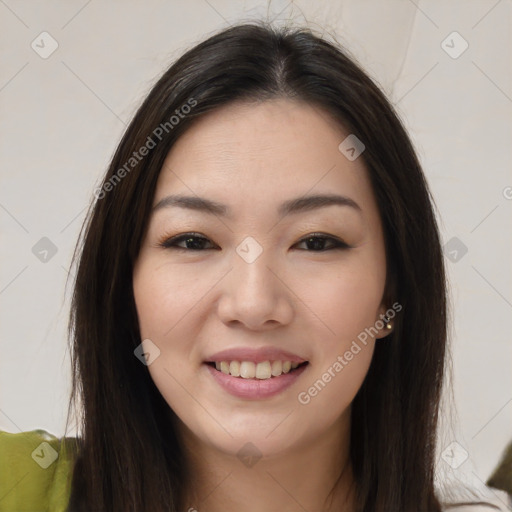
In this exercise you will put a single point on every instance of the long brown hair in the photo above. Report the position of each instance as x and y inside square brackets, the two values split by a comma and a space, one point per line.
[130, 458]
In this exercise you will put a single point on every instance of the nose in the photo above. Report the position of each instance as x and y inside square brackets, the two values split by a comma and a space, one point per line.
[255, 295]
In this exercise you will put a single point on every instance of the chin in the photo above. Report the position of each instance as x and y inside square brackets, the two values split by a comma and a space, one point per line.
[253, 436]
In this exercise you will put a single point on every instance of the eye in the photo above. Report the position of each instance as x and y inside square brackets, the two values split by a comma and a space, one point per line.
[317, 242]
[191, 241]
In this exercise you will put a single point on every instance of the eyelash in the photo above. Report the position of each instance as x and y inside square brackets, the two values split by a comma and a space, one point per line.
[170, 243]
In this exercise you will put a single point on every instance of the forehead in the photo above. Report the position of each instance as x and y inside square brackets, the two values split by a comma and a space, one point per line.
[250, 154]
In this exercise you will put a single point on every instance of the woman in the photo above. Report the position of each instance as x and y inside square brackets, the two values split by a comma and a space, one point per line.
[259, 315]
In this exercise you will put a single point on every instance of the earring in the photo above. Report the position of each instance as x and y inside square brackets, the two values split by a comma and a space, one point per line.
[387, 321]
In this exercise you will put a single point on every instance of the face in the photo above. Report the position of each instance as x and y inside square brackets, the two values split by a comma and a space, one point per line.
[255, 296]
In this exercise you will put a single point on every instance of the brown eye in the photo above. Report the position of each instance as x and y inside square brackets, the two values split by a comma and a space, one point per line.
[321, 243]
[187, 241]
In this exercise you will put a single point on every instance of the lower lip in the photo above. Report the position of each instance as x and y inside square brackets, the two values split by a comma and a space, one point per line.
[256, 389]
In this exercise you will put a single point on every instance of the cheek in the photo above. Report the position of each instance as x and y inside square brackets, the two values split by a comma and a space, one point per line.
[348, 305]
[168, 305]
[164, 296]
[346, 300]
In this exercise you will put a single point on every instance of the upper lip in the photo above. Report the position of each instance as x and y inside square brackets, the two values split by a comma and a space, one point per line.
[256, 355]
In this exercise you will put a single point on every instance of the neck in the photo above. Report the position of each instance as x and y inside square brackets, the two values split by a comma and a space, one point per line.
[317, 475]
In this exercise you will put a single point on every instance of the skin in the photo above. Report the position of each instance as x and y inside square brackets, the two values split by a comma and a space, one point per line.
[191, 304]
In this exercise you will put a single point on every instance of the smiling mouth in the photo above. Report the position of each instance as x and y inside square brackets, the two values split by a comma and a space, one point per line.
[249, 370]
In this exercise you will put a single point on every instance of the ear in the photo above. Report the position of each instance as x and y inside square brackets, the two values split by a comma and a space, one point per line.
[384, 322]
[388, 309]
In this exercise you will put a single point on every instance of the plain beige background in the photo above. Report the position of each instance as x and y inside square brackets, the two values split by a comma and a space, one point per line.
[63, 115]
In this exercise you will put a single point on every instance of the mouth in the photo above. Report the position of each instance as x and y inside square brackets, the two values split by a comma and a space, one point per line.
[250, 380]
[264, 370]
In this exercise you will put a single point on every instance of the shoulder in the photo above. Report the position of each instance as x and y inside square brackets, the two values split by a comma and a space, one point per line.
[493, 500]
[36, 470]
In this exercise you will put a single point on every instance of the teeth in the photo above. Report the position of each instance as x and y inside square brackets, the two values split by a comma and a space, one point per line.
[277, 368]
[250, 370]
[234, 368]
[247, 370]
[263, 370]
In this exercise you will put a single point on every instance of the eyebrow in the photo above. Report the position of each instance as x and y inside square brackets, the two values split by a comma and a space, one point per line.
[292, 206]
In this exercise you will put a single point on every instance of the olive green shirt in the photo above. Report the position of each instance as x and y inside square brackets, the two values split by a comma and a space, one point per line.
[36, 470]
